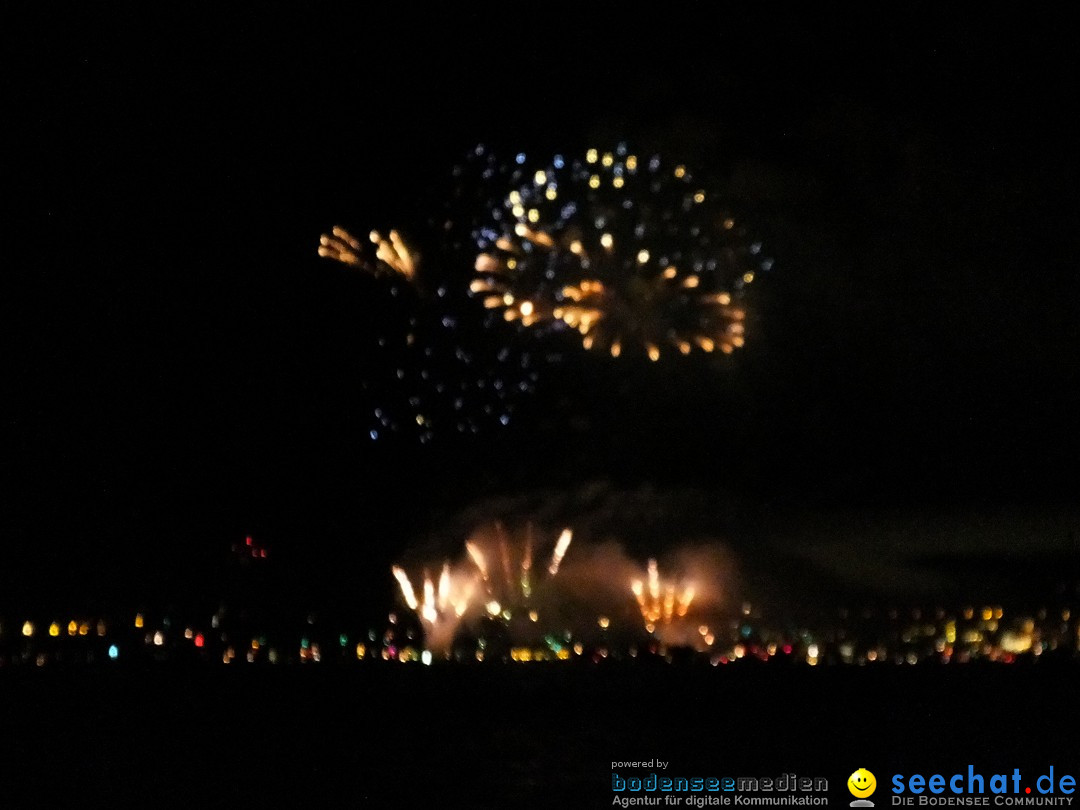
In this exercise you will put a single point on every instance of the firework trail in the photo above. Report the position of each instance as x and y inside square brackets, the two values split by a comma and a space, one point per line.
[392, 255]
[511, 589]
[441, 607]
[664, 605]
[660, 602]
[629, 251]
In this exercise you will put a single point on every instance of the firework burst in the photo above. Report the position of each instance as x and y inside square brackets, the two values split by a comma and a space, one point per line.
[629, 251]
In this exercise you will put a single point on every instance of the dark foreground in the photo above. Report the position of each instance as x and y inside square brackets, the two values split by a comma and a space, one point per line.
[509, 736]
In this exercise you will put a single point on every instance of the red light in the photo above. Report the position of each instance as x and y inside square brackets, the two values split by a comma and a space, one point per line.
[199, 640]
[248, 540]
[262, 553]
[787, 649]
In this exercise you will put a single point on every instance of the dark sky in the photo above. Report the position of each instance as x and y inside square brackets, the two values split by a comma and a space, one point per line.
[181, 369]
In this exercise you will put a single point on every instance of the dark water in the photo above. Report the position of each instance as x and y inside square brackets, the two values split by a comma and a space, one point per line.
[509, 736]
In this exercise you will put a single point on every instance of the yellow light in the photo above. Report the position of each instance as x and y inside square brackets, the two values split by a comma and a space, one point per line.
[511, 264]
[618, 181]
[642, 256]
[699, 197]
[691, 281]
[594, 181]
[684, 347]
[534, 616]
[540, 178]
[606, 240]
[508, 299]
[551, 193]
[576, 248]
[515, 198]
[138, 620]
[747, 277]
[54, 629]
[527, 308]
[680, 171]
[616, 349]
[604, 622]
[590, 156]
[360, 650]
[518, 211]
[670, 271]
[73, 628]
[84, 629]
[729, 224]
[607, 159]
[28, 628]
[654, 353]
[534, 215]
[631, 162]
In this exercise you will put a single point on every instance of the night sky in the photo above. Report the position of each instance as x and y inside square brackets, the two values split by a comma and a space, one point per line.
[181, 368]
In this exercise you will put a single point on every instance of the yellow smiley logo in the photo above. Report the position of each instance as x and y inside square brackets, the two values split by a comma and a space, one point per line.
[861, 783]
